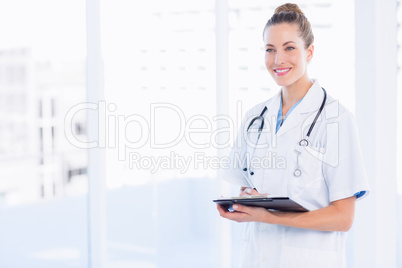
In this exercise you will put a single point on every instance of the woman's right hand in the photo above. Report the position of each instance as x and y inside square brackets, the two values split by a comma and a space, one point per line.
[245, 191]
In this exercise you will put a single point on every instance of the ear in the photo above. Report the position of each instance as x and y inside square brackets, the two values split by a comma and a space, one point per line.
[310, 52]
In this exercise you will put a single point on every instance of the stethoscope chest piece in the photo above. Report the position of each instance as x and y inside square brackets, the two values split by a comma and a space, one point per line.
[297, 172]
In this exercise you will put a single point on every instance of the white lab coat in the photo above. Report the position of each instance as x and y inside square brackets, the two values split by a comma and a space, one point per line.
[332, 169]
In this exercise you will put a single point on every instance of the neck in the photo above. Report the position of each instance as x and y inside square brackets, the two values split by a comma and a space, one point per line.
[295, 92]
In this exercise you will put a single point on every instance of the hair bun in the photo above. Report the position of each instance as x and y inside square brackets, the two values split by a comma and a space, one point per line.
[289, 8]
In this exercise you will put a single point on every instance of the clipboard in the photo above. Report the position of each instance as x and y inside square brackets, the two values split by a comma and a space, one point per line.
[274, 203]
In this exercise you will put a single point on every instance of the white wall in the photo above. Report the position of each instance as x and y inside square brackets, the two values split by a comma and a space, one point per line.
[376, 93]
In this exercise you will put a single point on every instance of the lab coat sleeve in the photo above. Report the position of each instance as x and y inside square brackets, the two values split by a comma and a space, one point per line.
[343, 166]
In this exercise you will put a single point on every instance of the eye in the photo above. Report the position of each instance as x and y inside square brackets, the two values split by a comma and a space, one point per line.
[290, 48]
[269, 50]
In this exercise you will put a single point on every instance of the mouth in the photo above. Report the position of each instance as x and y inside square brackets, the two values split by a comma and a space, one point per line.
[281, 71]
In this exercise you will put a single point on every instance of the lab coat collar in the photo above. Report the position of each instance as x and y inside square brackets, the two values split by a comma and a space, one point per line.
[310, 103]
[312, 100]
[270, 118]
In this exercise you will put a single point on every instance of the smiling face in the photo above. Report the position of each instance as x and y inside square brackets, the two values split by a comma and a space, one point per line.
[286, 57]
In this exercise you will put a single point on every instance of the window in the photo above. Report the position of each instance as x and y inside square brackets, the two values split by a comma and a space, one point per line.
[43, 214]
[160, 90]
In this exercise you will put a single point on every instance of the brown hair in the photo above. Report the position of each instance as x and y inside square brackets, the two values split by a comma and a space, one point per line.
[292, 14]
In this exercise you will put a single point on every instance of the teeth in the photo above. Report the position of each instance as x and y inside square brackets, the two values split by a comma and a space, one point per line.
[282, 71]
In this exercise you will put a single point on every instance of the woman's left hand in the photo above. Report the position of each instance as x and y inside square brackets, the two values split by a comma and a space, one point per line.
[245, 214]
[338, 216]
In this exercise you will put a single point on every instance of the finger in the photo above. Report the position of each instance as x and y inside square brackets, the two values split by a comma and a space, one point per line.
[247, 191]
[220, 209]
[240, 208]
[223, 211]
[254, 192]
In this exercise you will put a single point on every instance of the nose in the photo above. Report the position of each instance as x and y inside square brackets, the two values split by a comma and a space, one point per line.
[279, 58]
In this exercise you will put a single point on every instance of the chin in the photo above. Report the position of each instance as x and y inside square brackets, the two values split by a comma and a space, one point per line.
[282, 82]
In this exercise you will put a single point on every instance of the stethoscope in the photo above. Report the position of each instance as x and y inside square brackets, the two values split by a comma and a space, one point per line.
[303, 142]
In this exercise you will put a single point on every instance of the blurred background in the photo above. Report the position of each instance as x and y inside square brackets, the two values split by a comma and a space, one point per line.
[122, 174]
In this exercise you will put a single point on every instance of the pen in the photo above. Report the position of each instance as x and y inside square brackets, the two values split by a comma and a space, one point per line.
[249, 181]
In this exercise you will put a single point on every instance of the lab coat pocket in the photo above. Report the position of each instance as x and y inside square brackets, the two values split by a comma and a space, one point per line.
[311, 239]
[307, 168]
[312, 249]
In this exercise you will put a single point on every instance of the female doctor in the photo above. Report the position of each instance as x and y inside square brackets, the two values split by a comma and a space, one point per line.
[300, 144]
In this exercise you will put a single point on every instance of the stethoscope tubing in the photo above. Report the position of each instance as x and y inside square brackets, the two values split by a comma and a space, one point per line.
[303, 142]
[318, 113]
